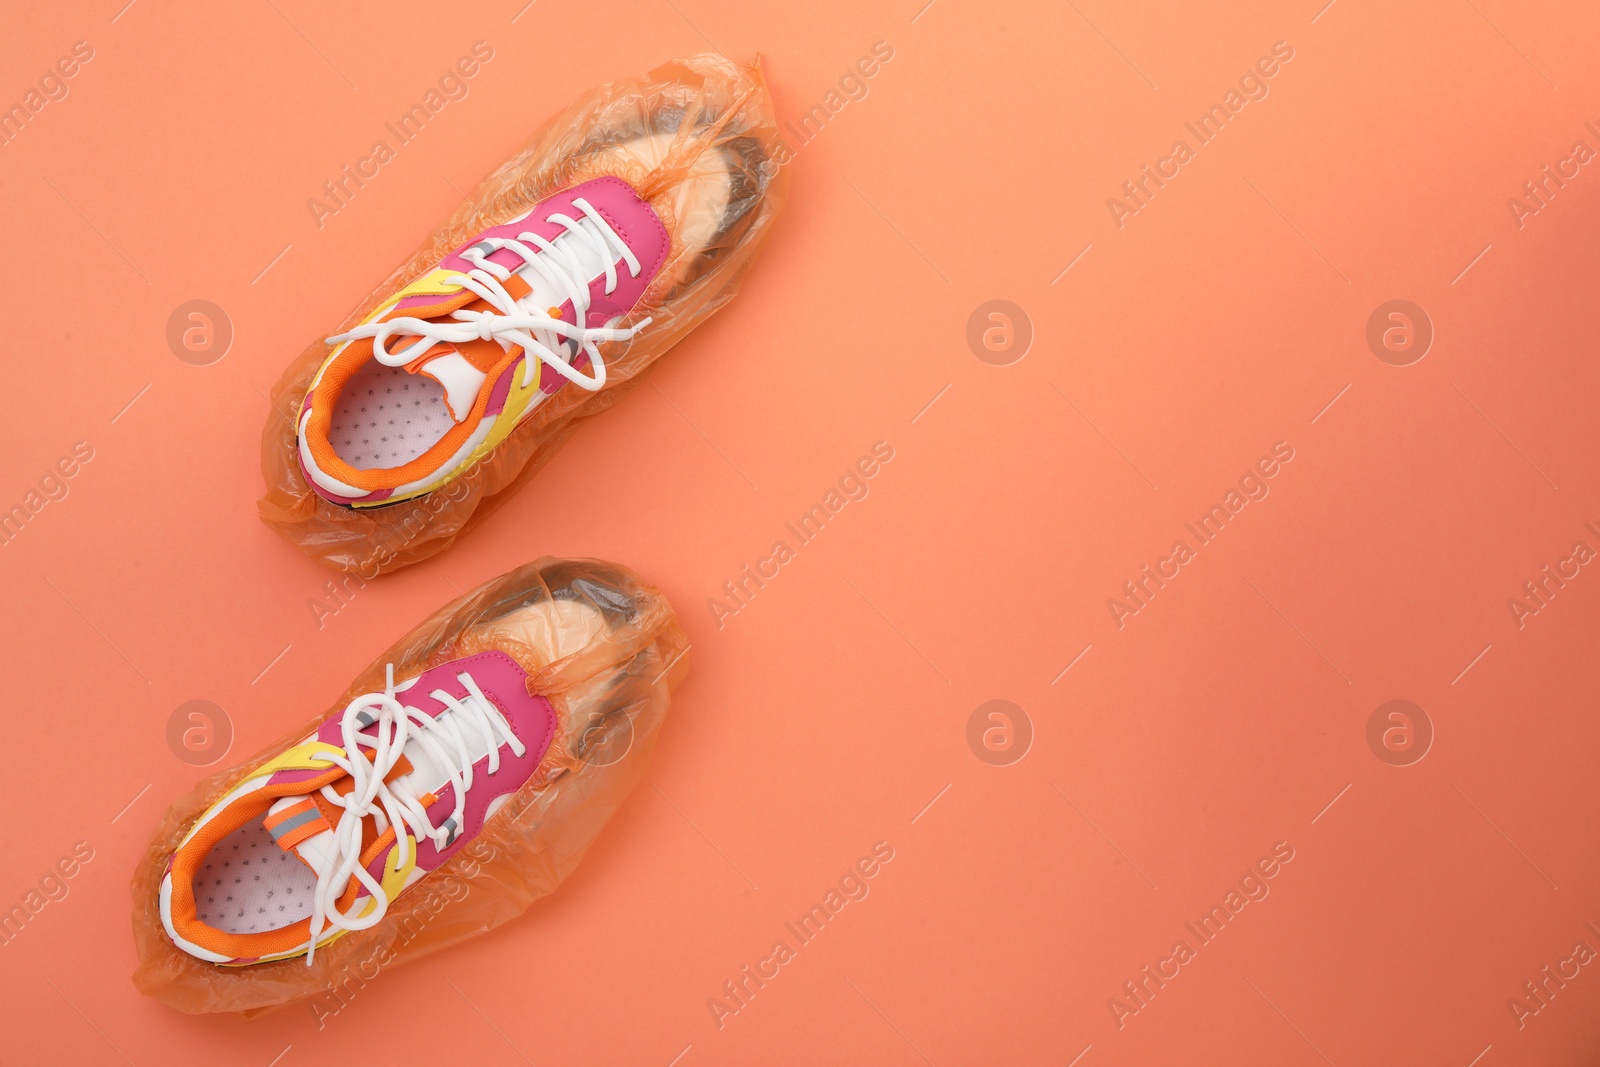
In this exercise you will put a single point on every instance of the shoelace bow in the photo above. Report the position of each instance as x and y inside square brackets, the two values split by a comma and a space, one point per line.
[446, 742]
[512, 323]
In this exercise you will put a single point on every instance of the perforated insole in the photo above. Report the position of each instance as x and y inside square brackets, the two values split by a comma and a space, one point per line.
[248, 884]
[387, 417]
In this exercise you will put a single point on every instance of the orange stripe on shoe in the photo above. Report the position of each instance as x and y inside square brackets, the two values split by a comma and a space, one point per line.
[291, 812]
[302, 832]
[296, 823]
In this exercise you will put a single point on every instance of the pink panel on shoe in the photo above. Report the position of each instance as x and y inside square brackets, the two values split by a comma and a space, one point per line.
[602, 309]
[502, 388]
[634, 220]
[503, 681]
[532, 719]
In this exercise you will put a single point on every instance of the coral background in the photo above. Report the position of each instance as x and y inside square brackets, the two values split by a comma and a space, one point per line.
[1151, 759]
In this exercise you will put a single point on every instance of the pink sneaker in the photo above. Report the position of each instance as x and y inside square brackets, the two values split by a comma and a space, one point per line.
[613, 233]
[369, 805]
[524, 714]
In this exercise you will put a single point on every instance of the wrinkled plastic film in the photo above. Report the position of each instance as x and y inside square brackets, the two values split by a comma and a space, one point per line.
[610, 692]
[708, 105]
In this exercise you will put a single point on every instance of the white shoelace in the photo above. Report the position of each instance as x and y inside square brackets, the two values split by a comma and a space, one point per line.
[513, 323]
[446, 743]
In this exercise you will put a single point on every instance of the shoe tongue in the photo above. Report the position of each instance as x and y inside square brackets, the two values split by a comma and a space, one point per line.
[458, 376]
[462, 370]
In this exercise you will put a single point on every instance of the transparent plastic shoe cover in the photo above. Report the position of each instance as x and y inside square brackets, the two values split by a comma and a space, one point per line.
[600, 646]
[697, 139]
